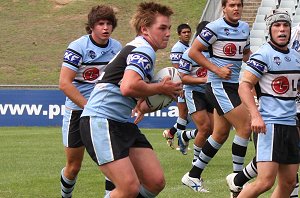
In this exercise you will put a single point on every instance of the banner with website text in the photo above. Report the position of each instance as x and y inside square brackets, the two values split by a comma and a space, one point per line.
[46, 108]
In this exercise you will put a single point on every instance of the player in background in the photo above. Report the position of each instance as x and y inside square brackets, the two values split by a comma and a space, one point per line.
[228, 38]
[121, 151]
[84, 61]
[184, 33]
[194, 78]
[237, 181]
[274, 70]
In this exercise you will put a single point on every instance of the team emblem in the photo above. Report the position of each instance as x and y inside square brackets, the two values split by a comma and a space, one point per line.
[280, 85]
[92, 54]
[226, 30]
[201, 72]
[229, 49]
[91, 74]
[277, 60]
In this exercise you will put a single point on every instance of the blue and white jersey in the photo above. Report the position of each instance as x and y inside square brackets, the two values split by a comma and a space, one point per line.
[228, 42]
[88, 59]
[177, 51]
[279, 72]
[190, 67]
[106, 100]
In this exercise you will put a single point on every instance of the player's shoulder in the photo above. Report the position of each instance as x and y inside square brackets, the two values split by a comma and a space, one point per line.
[115, 42]
[141, 46]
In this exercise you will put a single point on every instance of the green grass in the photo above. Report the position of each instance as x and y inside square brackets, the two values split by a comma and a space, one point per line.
[35, 33]
[32, 157]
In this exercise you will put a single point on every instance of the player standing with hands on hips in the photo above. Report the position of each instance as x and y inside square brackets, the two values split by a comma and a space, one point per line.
[118, 147]
[84, 61]
[274, 69]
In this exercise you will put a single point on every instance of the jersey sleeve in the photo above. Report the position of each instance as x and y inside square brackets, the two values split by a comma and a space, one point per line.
[141, 60]
[176, 54]
[73, 56]
[208, 35]
[185, 64]
[257, 64]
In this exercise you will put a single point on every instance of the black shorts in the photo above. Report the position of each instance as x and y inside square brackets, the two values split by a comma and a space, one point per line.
[70, 128]
[108, 140]
[223, 97]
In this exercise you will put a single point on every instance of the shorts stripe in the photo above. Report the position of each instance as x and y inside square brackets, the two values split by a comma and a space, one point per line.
[101, 140]
[265, 143]
[222, 99]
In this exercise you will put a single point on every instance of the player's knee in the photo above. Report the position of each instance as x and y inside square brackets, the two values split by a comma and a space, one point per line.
[156, 185]
[74, 168]
[265, 185]
[130, 188]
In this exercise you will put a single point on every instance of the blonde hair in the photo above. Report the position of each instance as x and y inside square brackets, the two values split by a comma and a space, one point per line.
[146, 13]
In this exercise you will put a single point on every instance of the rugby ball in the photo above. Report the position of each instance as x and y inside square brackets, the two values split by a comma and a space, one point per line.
[159, 101]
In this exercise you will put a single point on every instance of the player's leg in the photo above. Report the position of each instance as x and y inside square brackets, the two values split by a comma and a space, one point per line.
[183, 118]
[201, 114]
[212, 145]
[125, 178]
[143, 160]
[267, 172]
[286, 180]
[181, 122]
[240, 119]
[74, 151]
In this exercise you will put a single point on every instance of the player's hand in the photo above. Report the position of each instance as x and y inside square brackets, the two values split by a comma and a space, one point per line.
[258, 125]
[170, 88]
[224, 72]
[139, 111]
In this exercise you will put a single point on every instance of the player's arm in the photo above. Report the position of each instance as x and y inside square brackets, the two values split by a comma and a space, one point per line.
[133, 85]
[245, 92]
[65, 84]
[190, 80]
[196, 54]
[246, 54]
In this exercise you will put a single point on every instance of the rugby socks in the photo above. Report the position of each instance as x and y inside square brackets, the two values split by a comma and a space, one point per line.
[180, 124]
[145, 193]
[109, 186]
[197, 151]
[248, 173]
[67, 185]
[209, 150]
[188, 135]
[296, 189]
[239, 149]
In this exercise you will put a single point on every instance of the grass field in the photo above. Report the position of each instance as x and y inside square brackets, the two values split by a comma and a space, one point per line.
[35, 33]
[32, 157]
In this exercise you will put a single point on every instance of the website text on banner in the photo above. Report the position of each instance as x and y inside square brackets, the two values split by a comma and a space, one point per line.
[45, 108]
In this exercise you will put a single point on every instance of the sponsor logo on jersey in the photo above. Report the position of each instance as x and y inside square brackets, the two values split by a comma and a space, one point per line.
[183, 64]
[280, 85]
[92, 54]
[206, 34]
[287, 59]
[90, 74]
[71, 57]
[256, 65]
[201, 72]
[229, 49]
[277, 60]
[140, 60]
[175, 56]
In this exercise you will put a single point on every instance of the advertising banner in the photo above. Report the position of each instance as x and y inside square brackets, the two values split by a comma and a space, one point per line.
[46, 107]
